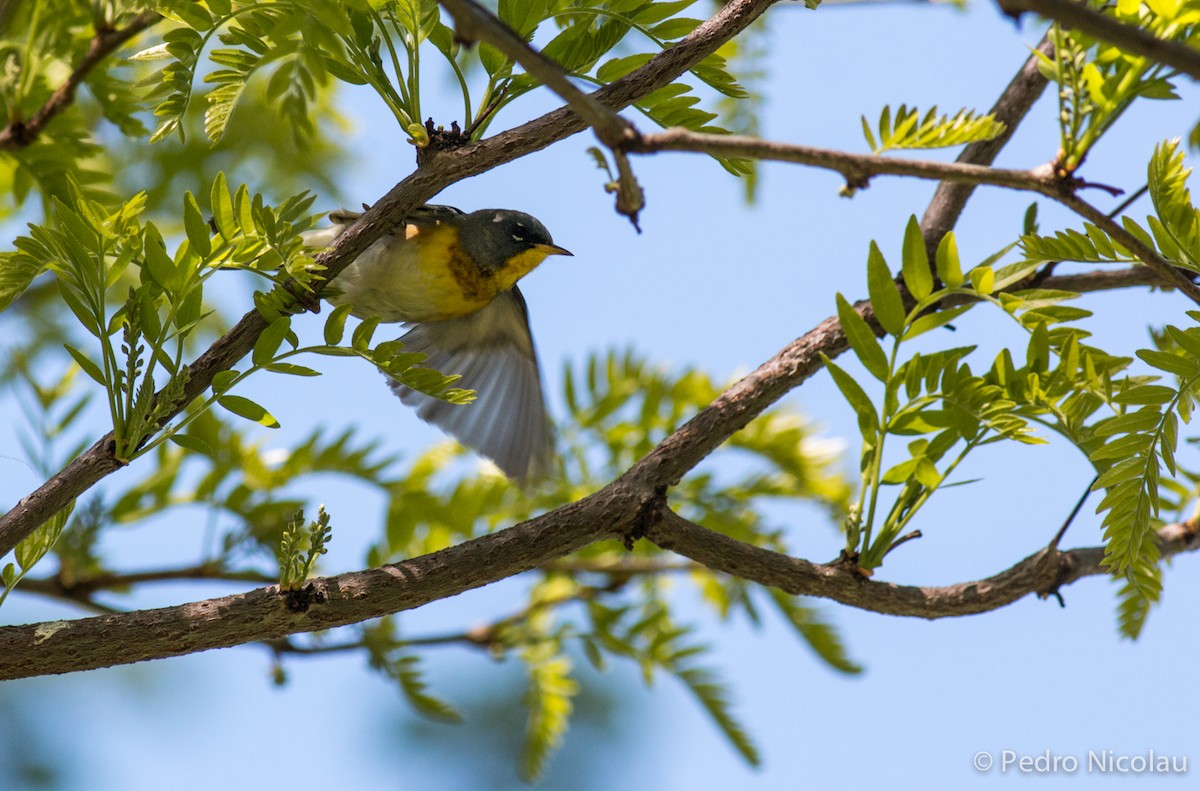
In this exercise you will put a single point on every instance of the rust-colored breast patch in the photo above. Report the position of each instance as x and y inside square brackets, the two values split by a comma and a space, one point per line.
[457, 284]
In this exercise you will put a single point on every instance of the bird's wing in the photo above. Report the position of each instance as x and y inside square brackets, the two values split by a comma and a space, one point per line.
[493, 351]
[433, 214]
[342, 219]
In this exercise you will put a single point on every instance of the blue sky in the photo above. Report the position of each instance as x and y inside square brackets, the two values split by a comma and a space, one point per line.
[714, 284]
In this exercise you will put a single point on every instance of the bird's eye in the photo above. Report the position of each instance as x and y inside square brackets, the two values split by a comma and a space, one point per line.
[519, 233]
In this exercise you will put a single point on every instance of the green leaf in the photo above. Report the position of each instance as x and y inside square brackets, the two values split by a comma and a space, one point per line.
[245, 408]
[931, 321]
[908, 130]
[197, 229]
[222, 207]
[1142, 420]
[82, 313]
[862, 340]
[90, 368]
[269, 341]
[885, 297]
[159, 265]
[983, 280]
[1123, 447]
[35, 546]
[915, 261]
[407, 671]
[820, 636]
[291, 370]
[1145, 395]
[17, 271]
[335, 325]
[360, 340]
[1187, 340]
[549, 701]
[860, 402]
[193, 443]
[1170, 362]
[713, 696]
[900, 473]
[618, 67]
[674, 28]
[949, 267]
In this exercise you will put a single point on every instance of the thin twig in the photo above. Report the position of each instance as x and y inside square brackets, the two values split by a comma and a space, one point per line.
[62, 587]
[1133, 198]
[20, 133]
[858, 169]
[1062, 531]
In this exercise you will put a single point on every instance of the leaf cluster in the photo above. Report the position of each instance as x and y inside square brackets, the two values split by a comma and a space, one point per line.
[908, 129]
[1098, 81]
[299, 548]
[380, 43]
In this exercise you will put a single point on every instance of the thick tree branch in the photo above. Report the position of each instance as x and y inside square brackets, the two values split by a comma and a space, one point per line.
[20, 133]
[1082, 17]
[265, 614]
[440, 170]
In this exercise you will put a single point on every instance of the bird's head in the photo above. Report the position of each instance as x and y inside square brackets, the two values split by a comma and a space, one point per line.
[507, 244]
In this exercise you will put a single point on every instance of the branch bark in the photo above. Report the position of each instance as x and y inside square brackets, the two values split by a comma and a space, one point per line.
[19, 133]
[267, 614]
[1042, 573]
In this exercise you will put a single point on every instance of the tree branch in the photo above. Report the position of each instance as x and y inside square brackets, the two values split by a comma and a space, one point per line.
[1104, 280]
[1010, 109]
[265, 614]
[1042, 573]
[473, 22]
[439, 171]
[1080, 16]
[858, 169]
[80, 589]
[19, 133]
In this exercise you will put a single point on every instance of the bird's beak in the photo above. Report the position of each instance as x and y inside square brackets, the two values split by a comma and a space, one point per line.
[553, 249]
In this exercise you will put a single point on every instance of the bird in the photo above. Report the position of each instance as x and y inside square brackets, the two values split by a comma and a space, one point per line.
[451, 277]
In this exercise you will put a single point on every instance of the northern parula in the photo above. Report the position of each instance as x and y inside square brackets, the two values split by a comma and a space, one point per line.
[452, 277]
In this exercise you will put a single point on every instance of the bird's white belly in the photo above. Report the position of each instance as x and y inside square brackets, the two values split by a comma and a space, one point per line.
[385, 281]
